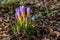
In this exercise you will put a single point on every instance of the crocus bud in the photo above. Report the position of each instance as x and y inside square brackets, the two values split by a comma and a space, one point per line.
[34, 18]
[18, 15]
[22, 9]
[26, 20]
[23, 12]
[45, 3]
[28, 10]
[17, 12]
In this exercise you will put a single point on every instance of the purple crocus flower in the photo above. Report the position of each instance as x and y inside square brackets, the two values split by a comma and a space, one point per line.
[22, 8]
[45, 3]
[16, 16]
[20, 12]
[28, 10]
[34, 18]
[17, 12]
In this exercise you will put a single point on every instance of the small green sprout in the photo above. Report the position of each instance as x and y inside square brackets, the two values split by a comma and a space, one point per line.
[48, 10]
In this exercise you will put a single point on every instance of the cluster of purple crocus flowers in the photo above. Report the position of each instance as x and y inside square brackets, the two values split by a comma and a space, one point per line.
[21, 14]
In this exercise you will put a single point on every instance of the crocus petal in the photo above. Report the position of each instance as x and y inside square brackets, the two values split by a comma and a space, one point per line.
[22, 9]
[16, 9]
[34, 18]
[20, 12]
[28, 10]
[17, 12]
[45, 3]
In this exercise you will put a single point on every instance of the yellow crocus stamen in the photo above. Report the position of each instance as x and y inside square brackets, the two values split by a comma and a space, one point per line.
[20, 18]
[23, 15]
